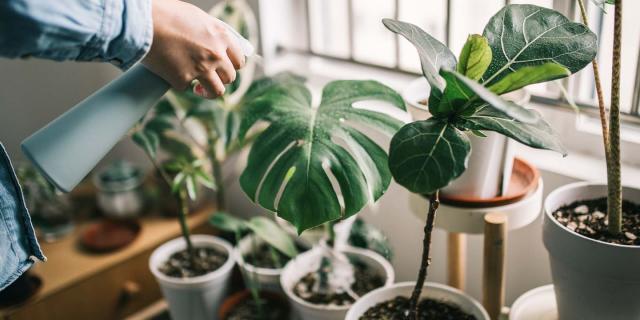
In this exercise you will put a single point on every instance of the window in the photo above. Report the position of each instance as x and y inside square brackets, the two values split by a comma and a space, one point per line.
[351, 30]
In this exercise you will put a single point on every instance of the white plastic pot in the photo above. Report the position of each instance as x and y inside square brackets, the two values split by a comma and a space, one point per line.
[303, 264]
[592, 279]
[430, 290]
[196, 298]
[268, 279]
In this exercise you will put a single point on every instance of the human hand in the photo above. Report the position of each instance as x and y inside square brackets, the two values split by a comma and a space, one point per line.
[189, 44]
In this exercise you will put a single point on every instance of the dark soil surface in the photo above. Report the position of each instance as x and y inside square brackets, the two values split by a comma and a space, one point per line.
[428, 309]
[589, 218]
[270, 310]
[206, 260]
[264, 257]
[366, 279]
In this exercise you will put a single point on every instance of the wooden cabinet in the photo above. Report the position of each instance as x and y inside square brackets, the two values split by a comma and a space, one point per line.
[80, 285]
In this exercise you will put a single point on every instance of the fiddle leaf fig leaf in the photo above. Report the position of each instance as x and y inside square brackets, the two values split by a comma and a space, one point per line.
[523, 35]
[227, 222]
[493, 100]
[147, 140]
[537, 134]
[529, 75]
[452, 100]
[475, 57]
[269, 231]
[426, 155]
[292, 161]
[434, 55]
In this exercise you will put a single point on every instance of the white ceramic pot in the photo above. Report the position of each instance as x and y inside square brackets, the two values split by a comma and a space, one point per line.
[194, 298]
[535, 304]
[430, 290]
[269, 279]
[303, 264]
[592, 279]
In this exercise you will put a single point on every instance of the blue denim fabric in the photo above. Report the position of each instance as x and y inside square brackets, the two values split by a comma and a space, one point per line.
[117, 31]
[18, 244]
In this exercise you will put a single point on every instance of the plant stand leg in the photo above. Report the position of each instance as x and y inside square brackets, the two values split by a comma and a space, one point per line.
[456, 260]
[493, 269]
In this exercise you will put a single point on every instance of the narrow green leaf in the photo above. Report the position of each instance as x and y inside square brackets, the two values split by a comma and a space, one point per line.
[191, 187]
[426, 155]
[178, 180]
[269, 231]
[159, 124]
[537, 134]
[434, 55]
[529, 75]
[227, 222]
[475, 57]
[205, 179]
[148, 141]
[511, 109]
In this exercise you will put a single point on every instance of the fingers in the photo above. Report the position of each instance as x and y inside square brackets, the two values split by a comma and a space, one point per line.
[211, 86]
[235, 54]
[226, 71]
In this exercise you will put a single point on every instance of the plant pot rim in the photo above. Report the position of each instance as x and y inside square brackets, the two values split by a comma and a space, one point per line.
[548, 211]
[386, 265]
[178, 244]
[231, 301]
[427, 284]
[237, 252]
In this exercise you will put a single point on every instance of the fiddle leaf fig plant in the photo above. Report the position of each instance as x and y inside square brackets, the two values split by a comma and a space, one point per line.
[312, 165]
[521, 45]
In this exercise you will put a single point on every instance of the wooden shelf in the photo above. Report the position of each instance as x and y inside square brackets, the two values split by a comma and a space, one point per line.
[88, 283]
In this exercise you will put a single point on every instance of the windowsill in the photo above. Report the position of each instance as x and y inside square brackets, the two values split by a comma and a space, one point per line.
[582, 137]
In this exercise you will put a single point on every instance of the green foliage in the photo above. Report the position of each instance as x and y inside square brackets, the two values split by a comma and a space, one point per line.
[291, 163]
[189, 174]
[528, 45]
[262, 227]
[475, 57]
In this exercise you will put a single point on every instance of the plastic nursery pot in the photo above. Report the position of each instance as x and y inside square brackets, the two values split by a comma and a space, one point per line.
[196, 298]
[232, 301]
[303, 264]
[592, 279]
[268, 278]
[430, 290]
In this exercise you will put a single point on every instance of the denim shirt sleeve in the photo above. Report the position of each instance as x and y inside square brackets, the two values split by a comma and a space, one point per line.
[18, 244]
[117, 31]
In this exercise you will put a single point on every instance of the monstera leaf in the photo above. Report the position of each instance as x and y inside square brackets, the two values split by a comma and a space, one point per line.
[528, 35]
[426, 155]
[310, 157]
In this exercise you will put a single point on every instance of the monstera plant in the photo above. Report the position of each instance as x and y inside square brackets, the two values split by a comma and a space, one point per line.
[521, 45]
[313, 165]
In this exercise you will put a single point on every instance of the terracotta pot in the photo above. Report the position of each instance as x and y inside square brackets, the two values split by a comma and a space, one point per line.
[592, 279]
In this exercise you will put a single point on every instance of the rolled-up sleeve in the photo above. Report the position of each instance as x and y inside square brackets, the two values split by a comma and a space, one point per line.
[117, 31]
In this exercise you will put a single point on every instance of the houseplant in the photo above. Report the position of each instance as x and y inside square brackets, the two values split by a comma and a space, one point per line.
[262, 249]
[314, 165]
[591, 233]
[175, 128]
[521, 45]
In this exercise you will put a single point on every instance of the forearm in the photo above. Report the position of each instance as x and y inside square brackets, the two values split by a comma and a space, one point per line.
[118, 31]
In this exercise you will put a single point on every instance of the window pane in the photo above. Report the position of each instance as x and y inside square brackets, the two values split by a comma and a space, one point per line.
[373, 43]
[431, 16]
[329, 27]
[470, 17]
[630, 45]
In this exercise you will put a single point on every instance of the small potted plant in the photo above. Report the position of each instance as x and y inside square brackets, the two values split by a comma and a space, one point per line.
[314, 165]
[521, 45]
[592, 230]
[261, 253]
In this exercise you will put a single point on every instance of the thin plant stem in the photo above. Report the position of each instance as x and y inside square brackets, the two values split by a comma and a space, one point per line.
[331, 233]
[254, 286]
[434, 203]
[602, 108]
[216, 168]
[614, 199]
